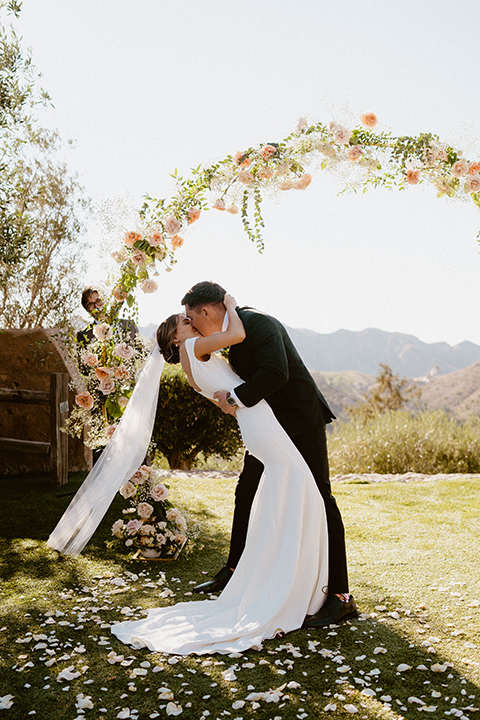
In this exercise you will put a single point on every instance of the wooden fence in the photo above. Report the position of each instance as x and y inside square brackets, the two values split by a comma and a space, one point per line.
[57, 449]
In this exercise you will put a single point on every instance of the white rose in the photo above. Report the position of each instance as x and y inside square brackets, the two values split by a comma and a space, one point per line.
[103, 331]
[149, 286]
[124, 351]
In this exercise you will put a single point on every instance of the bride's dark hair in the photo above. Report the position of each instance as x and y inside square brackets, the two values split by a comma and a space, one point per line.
[165, 334]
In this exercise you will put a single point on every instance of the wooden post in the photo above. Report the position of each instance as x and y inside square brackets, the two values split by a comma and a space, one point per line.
[58, 415]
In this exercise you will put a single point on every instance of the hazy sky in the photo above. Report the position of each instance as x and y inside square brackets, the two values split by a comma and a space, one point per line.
[147, 86]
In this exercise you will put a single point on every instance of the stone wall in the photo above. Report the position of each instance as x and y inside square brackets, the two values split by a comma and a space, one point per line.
[27, 359]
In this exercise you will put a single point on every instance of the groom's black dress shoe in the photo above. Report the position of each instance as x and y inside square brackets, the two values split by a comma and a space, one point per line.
[216, 584]
[332, 612]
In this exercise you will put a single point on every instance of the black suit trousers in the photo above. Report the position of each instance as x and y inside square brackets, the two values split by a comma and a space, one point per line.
[313, 447]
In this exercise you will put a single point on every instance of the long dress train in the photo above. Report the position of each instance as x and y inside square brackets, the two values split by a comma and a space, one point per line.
[283, 571]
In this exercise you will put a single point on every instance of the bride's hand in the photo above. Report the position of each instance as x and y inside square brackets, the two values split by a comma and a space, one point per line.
[229, 301]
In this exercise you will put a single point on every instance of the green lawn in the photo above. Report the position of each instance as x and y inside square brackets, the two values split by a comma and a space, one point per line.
[413, 556]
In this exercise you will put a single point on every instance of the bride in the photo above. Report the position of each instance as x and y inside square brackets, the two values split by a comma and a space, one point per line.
[283, 571]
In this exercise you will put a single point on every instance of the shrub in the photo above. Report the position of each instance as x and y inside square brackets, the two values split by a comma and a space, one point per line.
[397, 442]
[187, 424]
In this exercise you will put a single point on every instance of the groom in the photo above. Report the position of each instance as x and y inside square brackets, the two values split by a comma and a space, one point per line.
[271, 368]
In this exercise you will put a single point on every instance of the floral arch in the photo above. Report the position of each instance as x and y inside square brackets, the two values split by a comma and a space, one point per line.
[237, 184]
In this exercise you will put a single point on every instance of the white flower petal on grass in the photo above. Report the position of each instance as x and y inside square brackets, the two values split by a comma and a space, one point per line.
[229, 675]
[124, 714]
[238, 704]
[84, 701]
[386, 698]
[67, 674]
[173, 709]
[165, 693]
[379, 650]
[351, 708]
[343, 668]
[330, 707]
[403, 667]
[6, 702]
[413, 699]
[368, 692]
[437, 667]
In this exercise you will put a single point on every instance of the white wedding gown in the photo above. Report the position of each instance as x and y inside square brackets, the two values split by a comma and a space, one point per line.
[282, 574]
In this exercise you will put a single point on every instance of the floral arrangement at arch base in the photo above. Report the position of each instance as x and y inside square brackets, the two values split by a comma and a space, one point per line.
[151, 524]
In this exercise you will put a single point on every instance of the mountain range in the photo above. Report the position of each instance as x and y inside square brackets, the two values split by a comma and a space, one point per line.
[363, 352]
[344, 365]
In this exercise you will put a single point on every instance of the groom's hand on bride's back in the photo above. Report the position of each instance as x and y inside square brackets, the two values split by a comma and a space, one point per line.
[221, 398]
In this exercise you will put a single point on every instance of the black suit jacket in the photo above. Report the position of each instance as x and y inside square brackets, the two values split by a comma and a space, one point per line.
[272, 369]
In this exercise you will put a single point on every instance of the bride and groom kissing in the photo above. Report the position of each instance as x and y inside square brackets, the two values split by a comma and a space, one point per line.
[286, 566]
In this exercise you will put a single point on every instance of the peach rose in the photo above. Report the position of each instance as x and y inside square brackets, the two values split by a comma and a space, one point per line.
[84, 400]
[303, 182]
[246, 162]
[328, 150]
[175, 516]
[193, 214]
[180, 538]
[302, 123]
[128, 490]
[139, 477]
[219, 204]
[245, 177]
[103, 332]
[123, 401]
[265, 173]
[341, 135]
[133, 526]
[110, 431]
[267, 151]
[144, 509]
[472, 183]
[138, 257]
[286, 185]
[106, 386]
[332, 125]
[460, 168]
[444, 187]
[172, 225]
[147, 529]
[119, 293]
[159, 492]
[124, 351]
[176, 242]
[155, 238]
[121, 373]
[119, 255]
[161, 539]
[474, 168]
[282, 169]
[149, 286]
[354, 152]
[131, 238]
[412, 176]
[90, 359]
[369, 120]
[102, 373]
[233, 209]
[442, 154]
[117, 528]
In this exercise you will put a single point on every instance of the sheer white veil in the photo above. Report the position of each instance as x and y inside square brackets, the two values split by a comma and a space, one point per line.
[120, 459]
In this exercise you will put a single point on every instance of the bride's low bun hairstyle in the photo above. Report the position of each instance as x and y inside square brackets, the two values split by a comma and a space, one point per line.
[165, 335]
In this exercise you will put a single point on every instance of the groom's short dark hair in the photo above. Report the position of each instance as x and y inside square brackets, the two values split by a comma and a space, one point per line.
[204, 293]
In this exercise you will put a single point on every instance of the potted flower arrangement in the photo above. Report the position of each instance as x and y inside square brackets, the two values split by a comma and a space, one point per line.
[152, 525]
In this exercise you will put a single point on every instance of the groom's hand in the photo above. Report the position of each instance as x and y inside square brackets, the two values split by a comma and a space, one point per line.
[221, 398]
